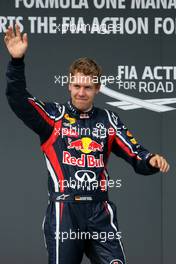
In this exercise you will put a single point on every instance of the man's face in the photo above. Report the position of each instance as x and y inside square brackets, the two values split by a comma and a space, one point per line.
[83, 90]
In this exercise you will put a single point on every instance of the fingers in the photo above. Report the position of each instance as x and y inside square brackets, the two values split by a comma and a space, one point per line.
[154, 161]
[17, 28]
[161, 163]
[166, 167]
[25, 38]
[6, 40]
[9, 34]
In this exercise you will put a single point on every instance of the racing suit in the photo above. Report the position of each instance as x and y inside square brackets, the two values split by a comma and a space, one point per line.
[77, 147]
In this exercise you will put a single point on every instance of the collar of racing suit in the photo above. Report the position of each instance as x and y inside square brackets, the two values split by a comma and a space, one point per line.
[78, 113]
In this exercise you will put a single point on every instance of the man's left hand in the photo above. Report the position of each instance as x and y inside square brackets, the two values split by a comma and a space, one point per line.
[159, 162]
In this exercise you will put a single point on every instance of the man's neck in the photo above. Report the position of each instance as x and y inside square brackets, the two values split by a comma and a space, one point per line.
[87, 110]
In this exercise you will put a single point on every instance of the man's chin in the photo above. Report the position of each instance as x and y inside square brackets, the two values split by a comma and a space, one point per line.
[81, 105]
[82, 108]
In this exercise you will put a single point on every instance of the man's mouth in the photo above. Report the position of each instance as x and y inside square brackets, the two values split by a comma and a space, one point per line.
[81, 99]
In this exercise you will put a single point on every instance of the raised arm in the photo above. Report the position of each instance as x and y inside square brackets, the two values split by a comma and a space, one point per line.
[35, 114]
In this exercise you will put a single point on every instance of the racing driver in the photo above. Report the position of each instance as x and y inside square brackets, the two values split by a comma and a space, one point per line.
[79, 159]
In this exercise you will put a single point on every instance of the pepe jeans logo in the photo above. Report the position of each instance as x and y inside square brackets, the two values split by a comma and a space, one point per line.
[116, 261]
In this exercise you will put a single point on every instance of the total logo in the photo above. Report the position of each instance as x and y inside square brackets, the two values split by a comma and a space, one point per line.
[85, 145]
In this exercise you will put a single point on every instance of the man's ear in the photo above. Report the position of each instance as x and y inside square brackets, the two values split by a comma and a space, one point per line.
[69, 87]
[98, 88]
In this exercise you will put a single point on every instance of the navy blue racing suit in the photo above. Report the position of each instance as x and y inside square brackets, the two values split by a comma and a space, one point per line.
[76, 146]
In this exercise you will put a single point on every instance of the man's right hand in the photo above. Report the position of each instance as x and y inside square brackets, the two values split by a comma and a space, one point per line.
[15, 43]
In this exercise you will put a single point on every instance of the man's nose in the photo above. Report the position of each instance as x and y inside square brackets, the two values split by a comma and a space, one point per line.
[82, 91]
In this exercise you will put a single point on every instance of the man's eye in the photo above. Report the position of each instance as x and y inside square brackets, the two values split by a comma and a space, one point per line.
[88, 87]
[76, 86]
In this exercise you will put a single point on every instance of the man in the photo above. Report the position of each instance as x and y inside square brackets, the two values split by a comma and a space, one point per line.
[79, 159]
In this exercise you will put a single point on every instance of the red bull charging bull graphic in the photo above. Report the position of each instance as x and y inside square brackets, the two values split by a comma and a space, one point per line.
[85, 145]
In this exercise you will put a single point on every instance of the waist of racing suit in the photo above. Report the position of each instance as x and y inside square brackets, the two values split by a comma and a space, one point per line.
[77, 197]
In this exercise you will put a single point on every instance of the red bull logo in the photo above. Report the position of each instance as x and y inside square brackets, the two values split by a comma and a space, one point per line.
[85, 145]
[77, 144]
[81, 161]
[94, 146]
